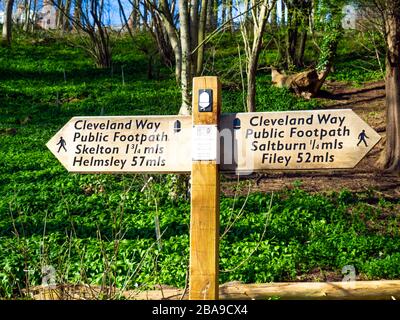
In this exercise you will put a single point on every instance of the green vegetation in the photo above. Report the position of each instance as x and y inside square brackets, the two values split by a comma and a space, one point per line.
[357, 59]
[100, 228]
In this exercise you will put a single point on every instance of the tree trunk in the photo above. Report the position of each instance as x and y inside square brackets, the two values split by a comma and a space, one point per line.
[173, 38]
[252, 72]
[135, 15]
[283, 11]
[230, 14]
[184, 39]
[66, 24]
[60, 16]
[193, 27]
[77, 12]
[145, 16]
[186, 57]
[160, 35]
[392, 28]
[27, 21]
[253, 55]
[301, 48]
[214, 24]
[392, 158]
[223, 13]
[274, 15]
[32, 26]
[251, 85]
[314, 12]
[292, 35]
[210, 15]
[202, 28]
[303, 22]
[7, 25]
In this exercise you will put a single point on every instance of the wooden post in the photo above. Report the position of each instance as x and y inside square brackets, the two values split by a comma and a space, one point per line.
[204, 221]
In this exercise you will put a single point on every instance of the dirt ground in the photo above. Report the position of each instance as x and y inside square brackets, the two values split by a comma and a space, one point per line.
[368, 101]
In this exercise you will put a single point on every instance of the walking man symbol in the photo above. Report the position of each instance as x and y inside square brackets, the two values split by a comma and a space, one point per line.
[361, 138]
[62, 144]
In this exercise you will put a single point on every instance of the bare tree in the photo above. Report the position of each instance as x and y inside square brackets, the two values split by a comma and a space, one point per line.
[212, 15]
[66, 21]
[154, 25]
[77, 13]
[201, 35]
[260, 11]
[209, 14]
[134, 19]
[274, 14]
[223, 11]
[283, 13]
[229, 4]
[89, 23]
[144, 16]
[7, 24]
[297, 26]
[34, 20]
[167, 14]
[27, 15]
[185, 38]
[194, 26]
[184, 35]
[59, 13]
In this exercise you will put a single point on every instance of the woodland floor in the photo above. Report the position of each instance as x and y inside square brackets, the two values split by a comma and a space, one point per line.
[368, 101]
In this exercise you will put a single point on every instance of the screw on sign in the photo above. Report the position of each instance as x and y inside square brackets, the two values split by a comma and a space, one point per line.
[206, 143]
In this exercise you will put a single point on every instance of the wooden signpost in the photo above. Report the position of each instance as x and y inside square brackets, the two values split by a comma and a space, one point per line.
[294, 140]
[206, 143]
[204, 219]
[124, 144]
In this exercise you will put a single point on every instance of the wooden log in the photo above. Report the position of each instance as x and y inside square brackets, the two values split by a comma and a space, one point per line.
[357, 290]
[314, 290]
[302, 83]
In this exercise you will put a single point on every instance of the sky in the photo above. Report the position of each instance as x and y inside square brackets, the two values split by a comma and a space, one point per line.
[113, 16]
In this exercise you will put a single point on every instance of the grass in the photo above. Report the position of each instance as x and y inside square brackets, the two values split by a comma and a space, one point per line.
[74, 223]
[357, 60]
[100, 228]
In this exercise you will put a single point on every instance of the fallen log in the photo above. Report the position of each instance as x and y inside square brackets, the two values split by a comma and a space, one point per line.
[305, 84]
[356, 290]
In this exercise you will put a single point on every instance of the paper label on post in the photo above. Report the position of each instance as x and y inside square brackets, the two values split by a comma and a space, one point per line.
[204, 142]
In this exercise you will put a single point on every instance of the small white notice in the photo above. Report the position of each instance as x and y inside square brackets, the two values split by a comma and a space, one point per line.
[204, 142]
